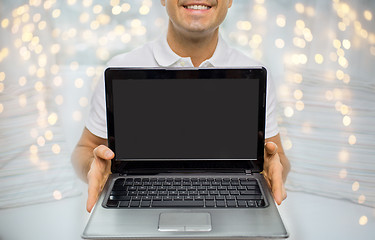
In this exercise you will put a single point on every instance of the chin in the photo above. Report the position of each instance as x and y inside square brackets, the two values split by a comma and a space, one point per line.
[197, 27]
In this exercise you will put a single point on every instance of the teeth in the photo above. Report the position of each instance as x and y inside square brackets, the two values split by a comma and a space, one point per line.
[197, 7]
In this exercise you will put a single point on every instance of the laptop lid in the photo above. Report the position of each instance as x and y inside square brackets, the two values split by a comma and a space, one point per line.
[186, 118]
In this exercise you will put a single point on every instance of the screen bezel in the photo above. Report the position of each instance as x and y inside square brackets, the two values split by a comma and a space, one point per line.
[111, 74]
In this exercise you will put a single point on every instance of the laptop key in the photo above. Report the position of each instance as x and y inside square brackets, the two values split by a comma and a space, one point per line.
[198, 198]
[163, 193]
[196, 183]
[234, 192]
[209, 197]
[119, 182]
[203, 193]
[219, 198]
[145, 203]
[210, 203]
[178, 204]
[251, 203]
[214, 192]
[142, 193]
[220, 203]
[189, 198]
[193, 193]
[250, 192]
[134, 203]
[157, 198]
[241, 203]
[261, 203]
[119, 188]
[178, 198]
[112, 203]
[181, 188]
[118, 193]
[173, 193]
[124, 203]
[136, 198]
[249, 197]
[231, 203]
[249, 183]
[119, 198]
[230, 197]
[224, 192]
[146, 198]
[133, 193]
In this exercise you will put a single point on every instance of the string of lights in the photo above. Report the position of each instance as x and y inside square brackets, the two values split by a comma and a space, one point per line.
[320, 54]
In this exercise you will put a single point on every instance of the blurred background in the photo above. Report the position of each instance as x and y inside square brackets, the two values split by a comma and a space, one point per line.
[320, 53]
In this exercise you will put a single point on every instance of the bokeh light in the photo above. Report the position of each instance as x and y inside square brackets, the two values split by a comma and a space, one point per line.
[62, 48]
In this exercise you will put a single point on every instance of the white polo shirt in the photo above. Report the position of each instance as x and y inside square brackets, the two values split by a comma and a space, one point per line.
[159, 54]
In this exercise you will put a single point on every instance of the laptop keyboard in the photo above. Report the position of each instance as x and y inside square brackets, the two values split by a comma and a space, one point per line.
[185, 192]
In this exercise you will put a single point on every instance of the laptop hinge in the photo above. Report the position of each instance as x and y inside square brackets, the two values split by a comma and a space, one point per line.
[248, 172]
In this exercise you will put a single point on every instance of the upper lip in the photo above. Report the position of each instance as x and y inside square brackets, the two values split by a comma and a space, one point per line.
[192, 3]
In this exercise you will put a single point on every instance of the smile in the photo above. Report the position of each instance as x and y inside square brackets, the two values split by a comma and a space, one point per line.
[197, 7]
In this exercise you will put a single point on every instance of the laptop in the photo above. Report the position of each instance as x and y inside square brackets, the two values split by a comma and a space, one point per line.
[189, 147]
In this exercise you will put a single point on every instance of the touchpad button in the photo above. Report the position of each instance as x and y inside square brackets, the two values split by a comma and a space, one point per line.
[184, 222]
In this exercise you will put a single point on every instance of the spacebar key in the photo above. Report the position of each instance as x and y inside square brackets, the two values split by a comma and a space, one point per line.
[177, 204]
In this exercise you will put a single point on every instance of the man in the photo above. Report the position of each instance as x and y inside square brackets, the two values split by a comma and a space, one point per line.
[193, 40]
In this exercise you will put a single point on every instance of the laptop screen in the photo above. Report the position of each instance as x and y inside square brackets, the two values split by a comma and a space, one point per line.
[185, 118]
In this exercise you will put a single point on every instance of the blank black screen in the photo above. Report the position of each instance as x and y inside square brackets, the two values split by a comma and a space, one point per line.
[185, 118]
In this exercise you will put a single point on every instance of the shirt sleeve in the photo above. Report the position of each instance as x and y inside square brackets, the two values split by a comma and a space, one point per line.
[96, 122]
[272, 128]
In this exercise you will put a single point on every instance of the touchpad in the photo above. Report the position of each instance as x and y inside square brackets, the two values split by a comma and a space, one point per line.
[184, 222]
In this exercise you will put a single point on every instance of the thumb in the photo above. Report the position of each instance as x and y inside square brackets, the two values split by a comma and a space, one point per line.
[270, 147]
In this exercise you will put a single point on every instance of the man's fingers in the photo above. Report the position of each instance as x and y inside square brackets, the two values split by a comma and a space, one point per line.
[93, 192]
[102, 162]
[284, 193]
[103, 152]
[278, 187]
[273, 172]
[99, 170]
[271, 148]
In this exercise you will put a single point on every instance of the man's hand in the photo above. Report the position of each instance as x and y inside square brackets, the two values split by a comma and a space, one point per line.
[273, 171]
[97, 176]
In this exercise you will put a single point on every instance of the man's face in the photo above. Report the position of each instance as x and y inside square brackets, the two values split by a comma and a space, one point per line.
[196, 15]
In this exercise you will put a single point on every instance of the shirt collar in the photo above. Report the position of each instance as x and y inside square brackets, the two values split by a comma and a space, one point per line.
[220, 56]
[165, 57]
[163, 54]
